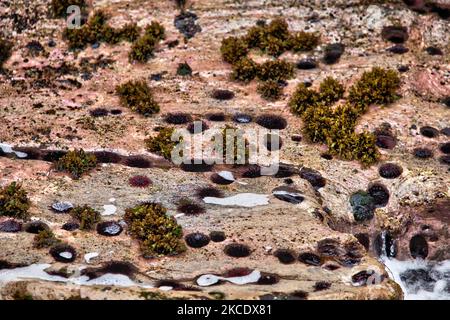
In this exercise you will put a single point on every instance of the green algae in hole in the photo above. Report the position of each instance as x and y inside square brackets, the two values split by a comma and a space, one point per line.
[76, 163]
[87, 216]
[363, 206]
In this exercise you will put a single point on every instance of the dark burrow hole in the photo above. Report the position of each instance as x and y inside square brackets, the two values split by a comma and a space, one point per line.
[196, 240]
[329, 248]
[222, 94]
[237, 272]
[177, 118]
[313, 177]
[107, 157]
[445, 148]
[285, 256]
[271, 121]
[242, 118]
[379, 193]
[390, 170]
[364, 240]
[32, 153]
[196, 166]
[434, 51]
[216, 117]
[385, 141]
[138, 162]
[217, 236]
[309, 258]
[418, 247]
[35, 227]
[385, 244]
[268, 279]
[209, 192]
[99, 112]
[429, 132]
[52, 155]
[190, 208]
[252, 171]
[10, 225]
[326, 156]
[423, 153]
[333, 52]
[218, 179]
[398, 49]
[63, 253]
[114, 267]
[70, 226]
[237, 250]
[322, 285]
[197, 127]
[273, 142]
[306, 64]
[445, 159]
[395, 34]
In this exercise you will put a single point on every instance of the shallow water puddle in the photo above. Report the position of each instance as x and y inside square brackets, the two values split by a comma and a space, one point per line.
[210, 279]
[240, 200]
[6, 148]
[36, 271]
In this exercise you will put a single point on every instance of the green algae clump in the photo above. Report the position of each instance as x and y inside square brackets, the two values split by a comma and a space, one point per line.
[303, 41]
[158, 233]
[14, 201]
[244, 70]
[45, 239]
[377, 86]
[59, 7]
[302, 99]
[87, 216]
[137, 96]
[275, 70]
[162, 144]
[233, 49]
[76, 163]
[270, 90]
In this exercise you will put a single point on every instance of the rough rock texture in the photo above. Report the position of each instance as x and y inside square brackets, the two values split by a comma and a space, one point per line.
[45, 102]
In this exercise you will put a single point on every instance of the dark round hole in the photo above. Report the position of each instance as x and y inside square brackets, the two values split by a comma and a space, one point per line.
[268, 279]
[242, 118]
[237, 250]
[445, 159]
[306, 64]
[63, 253]
[177, 118]
[116, 112]
[333, 52]
[197, 127]
[364, 239]
[313, 177]
[10, 225]
[322, 285]
[326, 156]
[190, 208]
[434, 51]
[209, 192]
[99, 112]
[35, 227]
[217, 236]
[385, 141]
[429, 132]
[252, 171]
[379, 193]
[138, 162]
[196, 166]
[418, 247]
[398, 49]
[445, 148]
[273, 142]
[70, 226]
[309, 258]
[271, 121]
[107, 157]
[390, 170]
[196, 240]
[216, 117]
[221, 94]
[423, 153]
[296, 138]
[285, 256]
[396, 34]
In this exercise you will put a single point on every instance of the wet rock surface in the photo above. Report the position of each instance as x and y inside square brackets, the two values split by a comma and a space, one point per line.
[56, 101]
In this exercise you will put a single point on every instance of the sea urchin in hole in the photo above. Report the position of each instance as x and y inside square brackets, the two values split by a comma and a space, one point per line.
[221, 94]
[217, 236]
[109, 228]
[138, 162]
[285, 256]
[209, 192]
[237, 250]
[445, 148]
[99, 112]
[139, 181]
[177, 118]
[423, 153]
[271, 121]
[379, 193]
[190, 208]
[216, 117]
[309, 258]
[390, 170]
[196, 240]
[429, 132]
